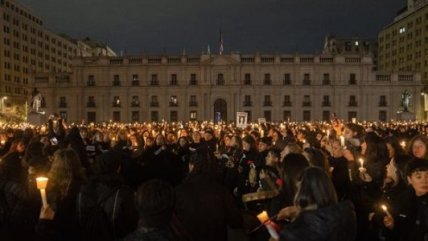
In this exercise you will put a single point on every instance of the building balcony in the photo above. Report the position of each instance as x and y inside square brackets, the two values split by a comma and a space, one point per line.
[193, 82]
[193, 103]
[286, 103]
[135, 104]
[383, 104]
[267, 103]
[90, 83]
[154, 104]
[326, 103]
[154, 82]
[267, 82]
[326, 81]
[306, 82]
[63, 105]
[90, 105]
[115, 104]
[306, 104]
[248, 103]
[353, 103]
[135, 83]
[116, 83]
[173, 104]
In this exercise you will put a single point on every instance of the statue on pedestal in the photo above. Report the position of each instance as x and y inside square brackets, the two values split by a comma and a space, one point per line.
[405, 100]
[36, 100]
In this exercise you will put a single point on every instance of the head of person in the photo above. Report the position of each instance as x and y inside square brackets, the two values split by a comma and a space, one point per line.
[155, 201]
[394, 147]
[236, 142]
[183, 141]
[353, 132]
[248, 143]
[196, 136]
[316, 158]
[160, 140]
[291, 147]
[202, 161]
[208, 134]
[17, 145]
[418, 147]
[417, 175]
[292, 165]
[264, 144]
[273, 157]
[65, 168]
[107, 163]
[315, 189]
[374, 148]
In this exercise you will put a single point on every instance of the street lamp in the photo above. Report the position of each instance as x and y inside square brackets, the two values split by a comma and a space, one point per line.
[2, 103]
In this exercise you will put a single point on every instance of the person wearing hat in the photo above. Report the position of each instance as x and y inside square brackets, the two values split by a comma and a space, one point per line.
[408, 217]
[106, 188]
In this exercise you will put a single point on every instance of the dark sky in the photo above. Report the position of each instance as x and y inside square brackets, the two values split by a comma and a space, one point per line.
[249, 26]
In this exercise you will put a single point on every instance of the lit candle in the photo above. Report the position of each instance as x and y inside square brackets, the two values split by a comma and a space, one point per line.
[361, 160]
[3, 142]
[262, 133]
[354, 120]
[263, 217]
[403, 144]
[385, 209]
[42, 182]
[270, 226]
[342, 140]
[328, 133]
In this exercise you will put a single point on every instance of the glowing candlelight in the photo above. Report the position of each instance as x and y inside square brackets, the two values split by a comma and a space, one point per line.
[2, 142]
[385, 209]
[328, 133]
[263, 217]
[42, 182]
[342, 140]
[354, 120]
[403, 144]
[361, 160]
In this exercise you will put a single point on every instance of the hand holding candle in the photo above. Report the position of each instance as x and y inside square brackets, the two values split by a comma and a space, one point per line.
[361, 160]
[385, 209]
[42, 182]
[270, 226]
[342, 141]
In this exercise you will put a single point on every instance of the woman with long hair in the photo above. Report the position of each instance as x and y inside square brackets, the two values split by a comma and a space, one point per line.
[65, 179]
[317, 213]
[418, 147]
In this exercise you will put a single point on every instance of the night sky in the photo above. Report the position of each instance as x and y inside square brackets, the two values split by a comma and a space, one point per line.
[248, 26]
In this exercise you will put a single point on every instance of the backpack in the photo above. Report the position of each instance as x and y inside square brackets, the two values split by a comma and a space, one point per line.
[97, 225]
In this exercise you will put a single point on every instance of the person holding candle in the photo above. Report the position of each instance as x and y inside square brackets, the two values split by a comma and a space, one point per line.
[318, 215]
[66, 176]
[408, 218]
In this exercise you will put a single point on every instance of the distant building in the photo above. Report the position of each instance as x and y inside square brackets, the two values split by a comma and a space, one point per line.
[199, 87]
[27, 48]
[347, 46]
[403, 45]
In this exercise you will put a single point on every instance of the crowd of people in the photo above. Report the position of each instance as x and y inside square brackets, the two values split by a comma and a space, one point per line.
[210, 181]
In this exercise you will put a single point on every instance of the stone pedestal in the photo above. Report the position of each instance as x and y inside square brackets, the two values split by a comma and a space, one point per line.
[406, 116]
[36, 118]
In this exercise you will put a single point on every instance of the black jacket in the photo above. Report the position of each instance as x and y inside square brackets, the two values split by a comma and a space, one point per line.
[206, 208]
[117, 202]
[332, 223]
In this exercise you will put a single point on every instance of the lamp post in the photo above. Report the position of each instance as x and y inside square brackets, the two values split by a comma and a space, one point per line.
[2, 103]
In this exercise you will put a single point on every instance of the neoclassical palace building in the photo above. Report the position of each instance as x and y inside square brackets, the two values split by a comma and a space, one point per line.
[202, 87]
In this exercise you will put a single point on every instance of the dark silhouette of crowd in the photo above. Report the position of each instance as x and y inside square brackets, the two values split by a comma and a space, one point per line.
[202, 181]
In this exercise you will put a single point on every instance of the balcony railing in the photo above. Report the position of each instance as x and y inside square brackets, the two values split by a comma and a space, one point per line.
[353, 103]
[326, 81]
[115, 104]
[173, 104]
[135, 104]
[306, 82]
[62, 105]
[382, 104]
[267, 103]
[326, 103]
[116, 83]
[306, 103]
[248, 103]
[135, 83]
[193, 103]
[154, 104]
[193, 82]
[287, 103]
[90, 104]
[154, 82]
[90, 83]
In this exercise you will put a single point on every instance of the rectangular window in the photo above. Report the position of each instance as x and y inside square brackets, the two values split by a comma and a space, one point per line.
[220, 79]
[173, 79]
[247, 100]
[382, 115]
[173, 116]
[267, 101]
[154, 115]
[287, 100]
[247, 79]
[326, 79]
[267, 80]
[352, 79]
[382, 101]
[135, 116]
[287, 79]
[352, 114]
[173, 101]
[193, 115]
[326, 115]
[135, 80]
[306, 79]
[193, 80]
[135, 102]
[91, 116]
[267, 114]
[116, 80]
[116, 116]
[326, 100]
[154, 80]
[306, 115]
[286, 115]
